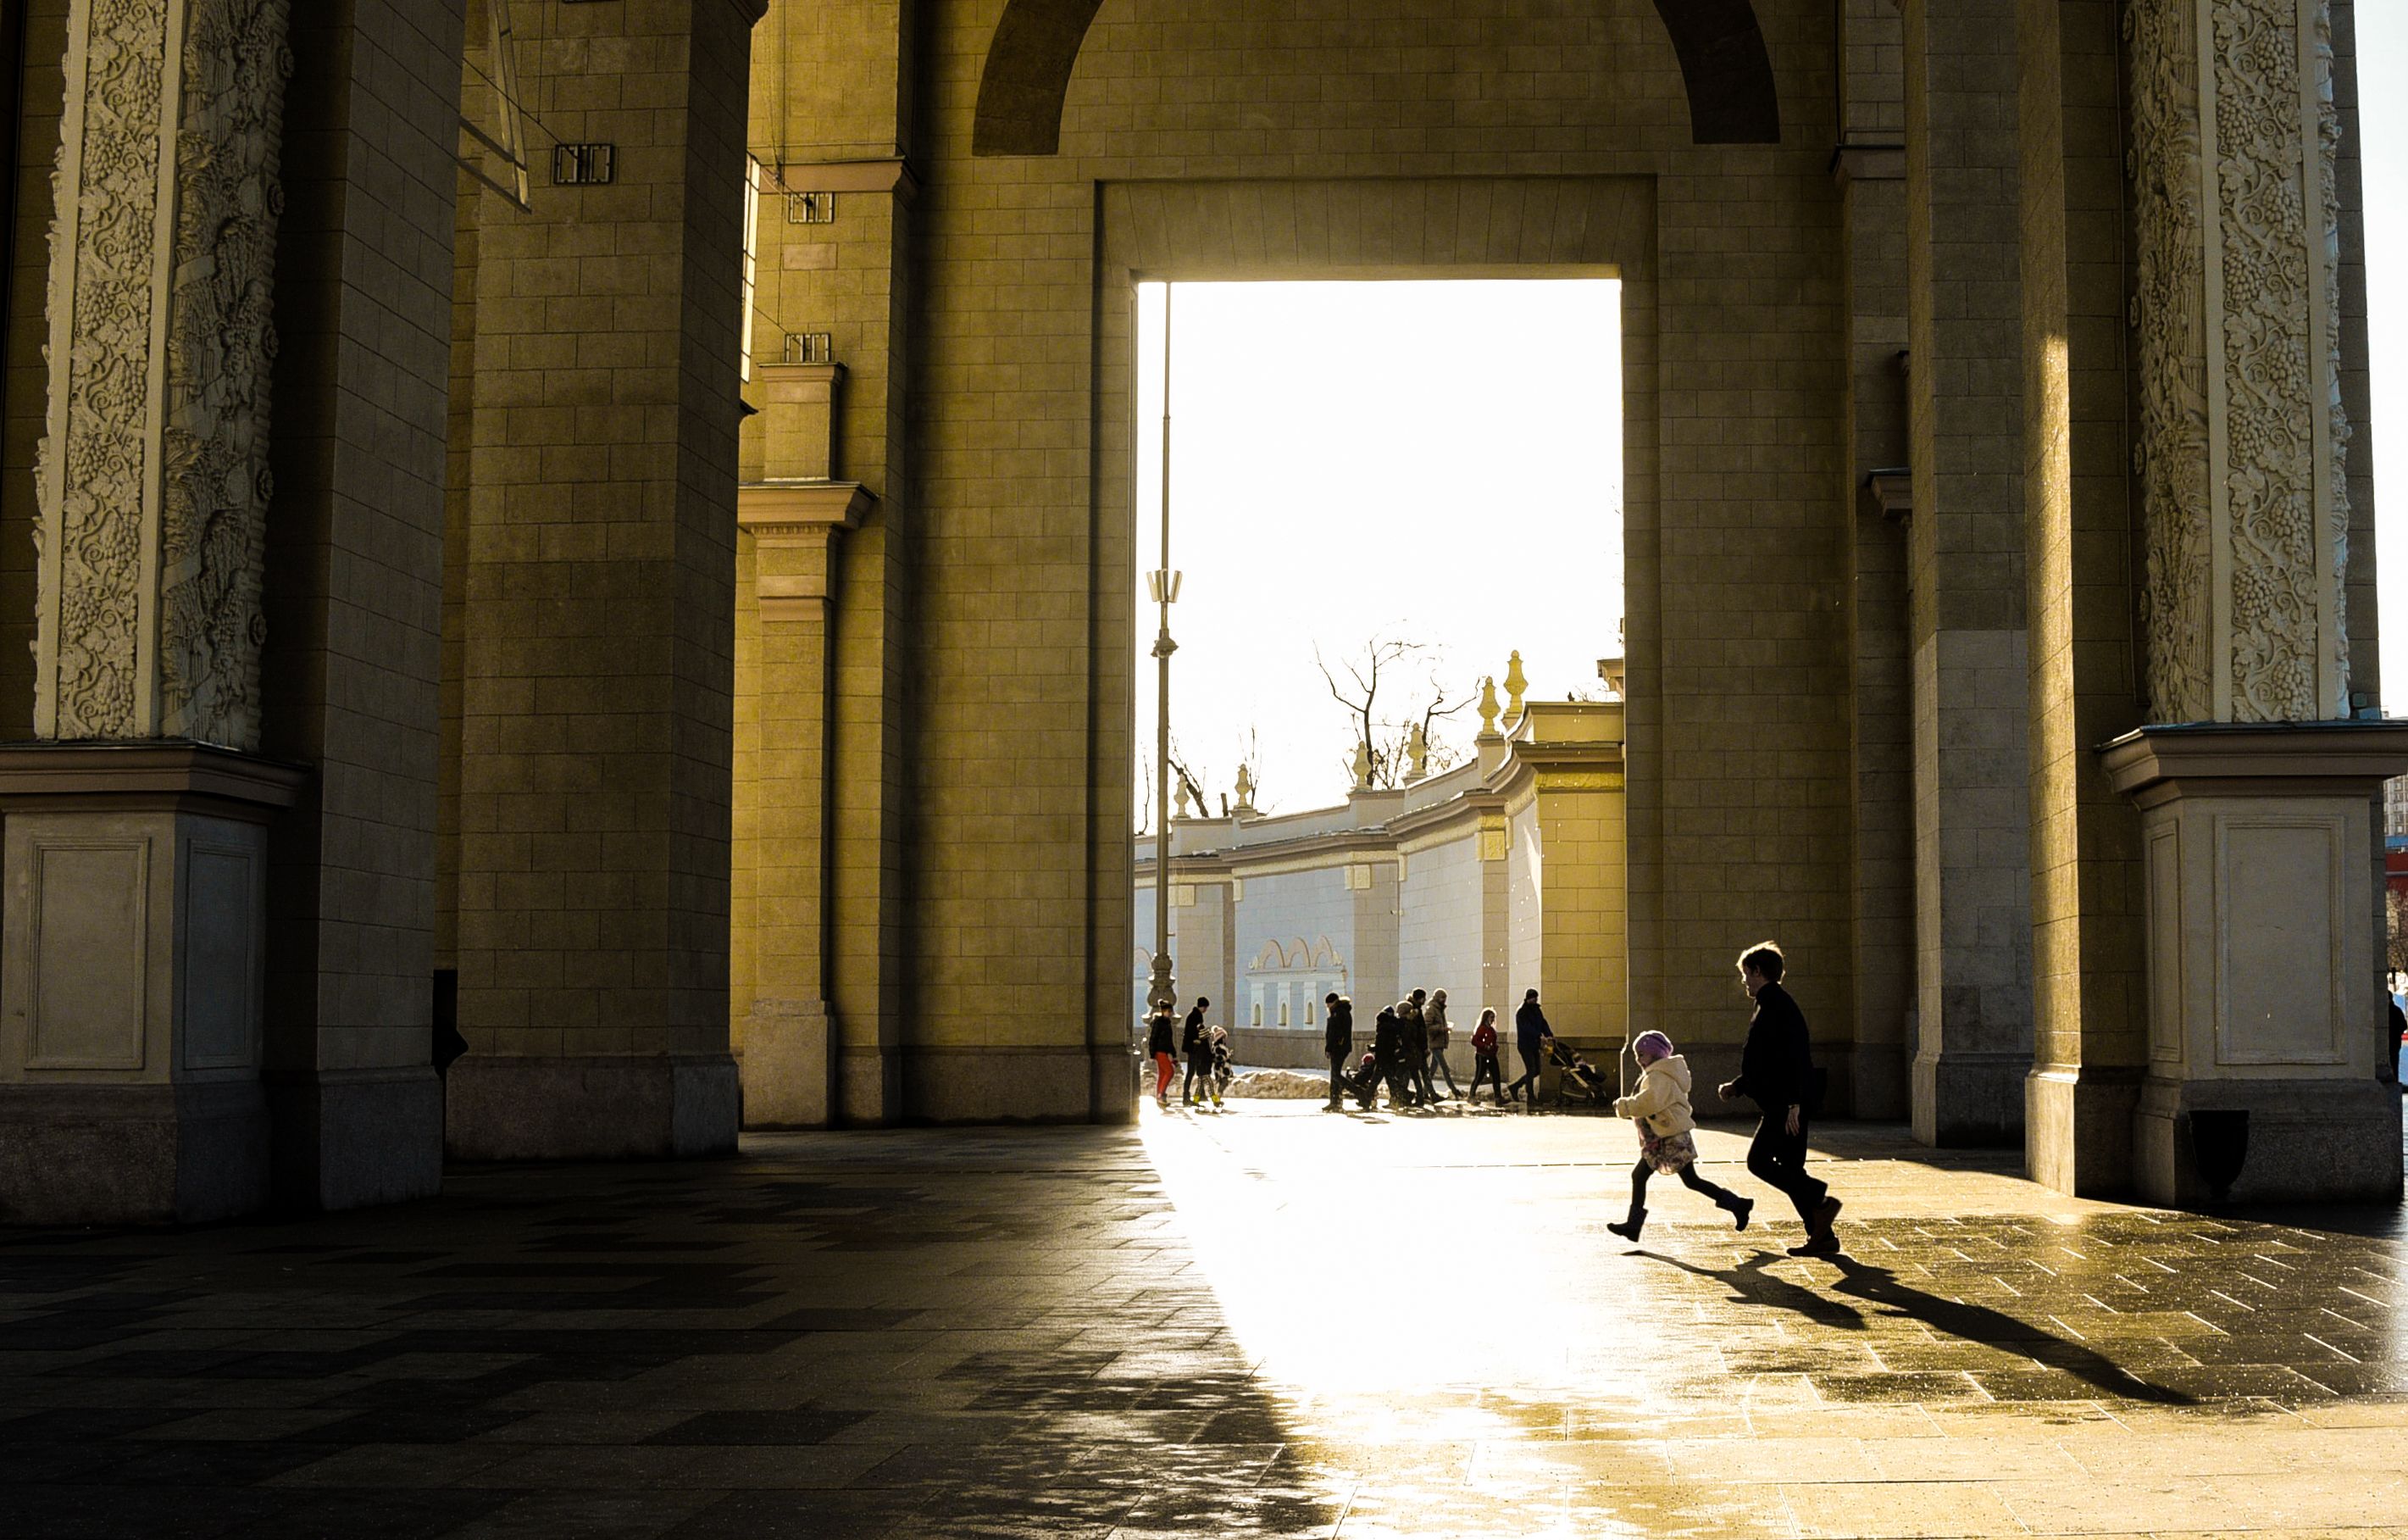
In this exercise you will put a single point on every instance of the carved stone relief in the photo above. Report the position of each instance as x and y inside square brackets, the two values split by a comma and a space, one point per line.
[152, 476]
[2170, 296]
[2235, 302]
[220, 341]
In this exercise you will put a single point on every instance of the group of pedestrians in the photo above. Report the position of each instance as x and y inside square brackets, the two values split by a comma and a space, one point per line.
[1205, 1050]
[1407, 1053]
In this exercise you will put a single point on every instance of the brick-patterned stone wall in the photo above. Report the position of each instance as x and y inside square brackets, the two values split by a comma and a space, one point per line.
[352, 596]
[596, 657]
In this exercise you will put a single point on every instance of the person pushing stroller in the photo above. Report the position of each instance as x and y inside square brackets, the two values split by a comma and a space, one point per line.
[1667, 1144]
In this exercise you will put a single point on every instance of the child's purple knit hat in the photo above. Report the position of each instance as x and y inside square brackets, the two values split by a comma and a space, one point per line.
[1652, 1046]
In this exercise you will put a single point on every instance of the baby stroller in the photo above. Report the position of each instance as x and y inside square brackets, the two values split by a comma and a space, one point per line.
[1221, 1073]
[1579, 1078]
[1364, 1084]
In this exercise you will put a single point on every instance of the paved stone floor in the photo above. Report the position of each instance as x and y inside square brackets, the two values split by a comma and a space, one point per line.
[1267, 1322]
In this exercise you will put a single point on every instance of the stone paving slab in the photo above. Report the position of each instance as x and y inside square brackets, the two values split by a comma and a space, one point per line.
[1268, 1322]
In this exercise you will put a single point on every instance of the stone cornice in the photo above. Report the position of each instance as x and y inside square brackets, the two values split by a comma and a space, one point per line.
[774, 510]
[152, 771]
[2299, 759]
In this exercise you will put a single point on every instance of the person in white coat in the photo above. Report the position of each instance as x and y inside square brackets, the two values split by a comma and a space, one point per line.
[1660, 1107]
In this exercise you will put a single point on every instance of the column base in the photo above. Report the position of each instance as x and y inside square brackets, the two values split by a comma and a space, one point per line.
[590, 1108]
[786, 1065]
[2309, 1140]
[111, 1154]
[1968, 1099]
[1869, 1080]
[2078, 1129]
[349, 1138]
[1001, 1085]
[869, 1088]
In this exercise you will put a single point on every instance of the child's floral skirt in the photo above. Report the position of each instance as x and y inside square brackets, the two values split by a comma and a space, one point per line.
[1668, 1153]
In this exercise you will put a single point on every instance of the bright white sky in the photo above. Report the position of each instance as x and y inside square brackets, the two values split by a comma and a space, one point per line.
[1439, 461]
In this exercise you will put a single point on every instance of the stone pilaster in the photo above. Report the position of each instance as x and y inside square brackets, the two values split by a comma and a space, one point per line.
[1869, 166]
[787, 1035]
[597, 669]
[2261, 850]
[1966, 574]
[2089, 1001]
[353, 596]
[130, 1036]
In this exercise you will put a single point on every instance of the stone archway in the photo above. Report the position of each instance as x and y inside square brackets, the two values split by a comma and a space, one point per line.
[1725, 68]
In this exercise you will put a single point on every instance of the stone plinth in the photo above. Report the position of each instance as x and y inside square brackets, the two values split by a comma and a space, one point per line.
[2263, 865]
[131, 946]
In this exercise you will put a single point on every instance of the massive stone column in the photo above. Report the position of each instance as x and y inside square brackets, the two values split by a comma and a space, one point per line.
[2262, 851]
[136, 847]
[2088, 997]
[1966, 574]
[599, 613]
[352, 595]
[1870, 165]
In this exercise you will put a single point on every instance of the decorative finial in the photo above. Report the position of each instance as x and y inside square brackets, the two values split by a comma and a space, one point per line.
[1362, 766]
[1488, 709]
[1417, 749]
[1182, 795]
[1245, 789]
[1514, 684]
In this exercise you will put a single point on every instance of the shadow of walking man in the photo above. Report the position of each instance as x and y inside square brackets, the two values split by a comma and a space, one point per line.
[1751, 1283]
[1996, 1329]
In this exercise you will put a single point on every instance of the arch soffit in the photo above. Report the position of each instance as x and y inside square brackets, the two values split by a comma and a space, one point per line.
[1726, 70]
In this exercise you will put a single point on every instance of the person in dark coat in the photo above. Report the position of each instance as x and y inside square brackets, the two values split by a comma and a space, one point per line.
[1193, 1048]
[1388, 1054]
[1776, 1072]
[1530, 1034]
[1337, 1042]
[1409, 1011]
[1440, 1035]
[1162, 1042]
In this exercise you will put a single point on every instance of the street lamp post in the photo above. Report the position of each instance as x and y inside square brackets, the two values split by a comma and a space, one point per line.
[1161, 990]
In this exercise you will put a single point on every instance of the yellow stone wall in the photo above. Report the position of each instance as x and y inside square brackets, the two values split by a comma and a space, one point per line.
[1015, 534]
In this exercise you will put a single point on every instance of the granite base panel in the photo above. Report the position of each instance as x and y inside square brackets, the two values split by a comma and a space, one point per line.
[869, 1088]
[597, 1107]
[2310, 1141]
[79, 1155]
[1014, 1085]
[1969, 1100]
[784, 1066]
[353, 1138]
[2078, 1129]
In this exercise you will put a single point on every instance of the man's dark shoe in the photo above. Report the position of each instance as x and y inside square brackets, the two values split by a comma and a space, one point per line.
[1824, 1244]
[1824, 1214]
[1740, 1208]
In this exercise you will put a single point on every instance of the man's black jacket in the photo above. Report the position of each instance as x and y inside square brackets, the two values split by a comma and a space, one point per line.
[1338, 1034]
[1529, 1026]
[1191, 1036]
[1776, 1069]
[1387, 1038]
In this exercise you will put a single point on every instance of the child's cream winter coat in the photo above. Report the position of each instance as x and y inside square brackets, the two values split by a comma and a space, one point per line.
[1662, 1098]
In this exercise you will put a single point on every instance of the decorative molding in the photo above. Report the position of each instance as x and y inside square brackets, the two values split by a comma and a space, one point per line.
[152, 477]
[2236, 306]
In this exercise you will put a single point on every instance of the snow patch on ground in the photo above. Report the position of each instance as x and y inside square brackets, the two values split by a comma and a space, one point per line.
[1280, 1085]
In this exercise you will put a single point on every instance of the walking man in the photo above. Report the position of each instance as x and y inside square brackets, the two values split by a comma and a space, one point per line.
[1388, 1054]
[1337, 1042]
[1776, 1071]
[1197, 1052]
[1530, 1034]
[1409, 1011]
